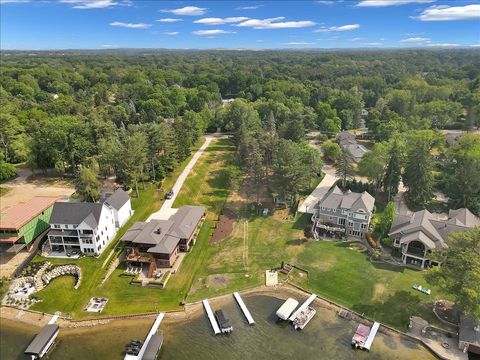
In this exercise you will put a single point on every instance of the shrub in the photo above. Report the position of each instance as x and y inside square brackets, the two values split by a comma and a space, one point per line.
[7, 171]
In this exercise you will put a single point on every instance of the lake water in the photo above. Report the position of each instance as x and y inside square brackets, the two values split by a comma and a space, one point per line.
[325, 337]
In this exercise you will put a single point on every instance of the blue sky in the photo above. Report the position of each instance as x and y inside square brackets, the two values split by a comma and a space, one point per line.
[100, 24]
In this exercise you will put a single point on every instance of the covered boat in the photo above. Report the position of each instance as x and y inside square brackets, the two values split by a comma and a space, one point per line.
[360, 336]
[223, 322]
[287, 309]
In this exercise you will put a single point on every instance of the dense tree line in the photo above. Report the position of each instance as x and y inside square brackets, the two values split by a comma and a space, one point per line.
[137, 114]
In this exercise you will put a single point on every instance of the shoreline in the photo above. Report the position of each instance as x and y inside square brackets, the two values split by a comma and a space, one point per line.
[37, 319]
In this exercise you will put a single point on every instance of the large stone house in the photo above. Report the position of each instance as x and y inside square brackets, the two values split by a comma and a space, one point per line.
[157, 243]
[416, 235]
[349, 213]
[80, 228]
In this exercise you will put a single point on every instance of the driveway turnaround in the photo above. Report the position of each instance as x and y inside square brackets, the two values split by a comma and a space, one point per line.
[166, 210]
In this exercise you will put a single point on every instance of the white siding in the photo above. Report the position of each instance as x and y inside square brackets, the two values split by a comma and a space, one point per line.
[123, 214]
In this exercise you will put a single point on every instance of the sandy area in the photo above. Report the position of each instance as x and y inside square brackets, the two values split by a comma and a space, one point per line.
[22, 189]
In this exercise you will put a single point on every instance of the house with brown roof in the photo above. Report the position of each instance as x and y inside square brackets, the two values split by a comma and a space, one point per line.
[348, 213]
[157, 243]
[21, 224]
[415, 236]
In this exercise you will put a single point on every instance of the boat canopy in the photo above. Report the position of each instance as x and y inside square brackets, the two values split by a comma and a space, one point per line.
[287, 308]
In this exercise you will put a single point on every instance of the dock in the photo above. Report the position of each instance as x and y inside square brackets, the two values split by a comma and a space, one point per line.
[151, 333]
[53, 319]
[371, 336]
[211, 317]
[303, 307]
[245, 311]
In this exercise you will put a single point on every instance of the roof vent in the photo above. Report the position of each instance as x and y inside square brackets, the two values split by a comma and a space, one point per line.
[158, 231]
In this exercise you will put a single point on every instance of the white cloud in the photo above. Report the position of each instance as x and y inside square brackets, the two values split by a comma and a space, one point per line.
[220, 21]
[372, 44]
[444, 45]
[93, 4]
[356, 39]
[252, 7]
[13, 1]
[186, 11]
[415, 40]
[274, 23]
[171, 33]
[475, 45]
[169, 20]
[130, 25]
[325, 2]
[211, 32]
[260, 41]
[109, 46]
[382, 3]
[448, 13]
[298, 43]
[338, 28]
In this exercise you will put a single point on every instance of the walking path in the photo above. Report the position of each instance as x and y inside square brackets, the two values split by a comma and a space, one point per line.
[166, 210]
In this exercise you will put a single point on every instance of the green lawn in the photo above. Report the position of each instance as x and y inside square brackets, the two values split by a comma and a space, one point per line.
[336, 272]
[206, 186]
[239, 261]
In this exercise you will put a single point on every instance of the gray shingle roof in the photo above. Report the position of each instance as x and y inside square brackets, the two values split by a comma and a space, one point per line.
[467, 331]
[115, 199]
[435, 230]
[75, 213]
[165, 235]
[336, 199]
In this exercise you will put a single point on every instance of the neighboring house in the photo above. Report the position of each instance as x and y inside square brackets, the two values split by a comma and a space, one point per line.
[349, 143]
[416, 235]
[119, 200]
[227, 101]
[157, 243]
[21, 224]
[349, 211]
[85, 228]
[469, 335]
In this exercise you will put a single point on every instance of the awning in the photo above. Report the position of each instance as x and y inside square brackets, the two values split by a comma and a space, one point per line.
[10, 239]
[12, 249]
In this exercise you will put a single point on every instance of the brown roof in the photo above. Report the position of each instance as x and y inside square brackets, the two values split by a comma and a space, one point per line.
[13, 218]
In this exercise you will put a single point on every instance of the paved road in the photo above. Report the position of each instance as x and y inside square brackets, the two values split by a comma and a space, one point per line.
[166, 210]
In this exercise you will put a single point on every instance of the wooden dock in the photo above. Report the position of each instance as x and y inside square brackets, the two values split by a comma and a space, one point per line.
[211, 317]
[302, 307]
[371, 336]
[245, 311]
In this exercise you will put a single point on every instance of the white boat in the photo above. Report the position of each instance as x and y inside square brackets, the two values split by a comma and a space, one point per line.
[303, 317]
[287, 309]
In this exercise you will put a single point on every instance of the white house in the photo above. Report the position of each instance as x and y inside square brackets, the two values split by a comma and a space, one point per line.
[120, 202]
[85, 228]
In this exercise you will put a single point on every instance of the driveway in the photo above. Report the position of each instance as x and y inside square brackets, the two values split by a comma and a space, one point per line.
[167, 210]
[321, 189]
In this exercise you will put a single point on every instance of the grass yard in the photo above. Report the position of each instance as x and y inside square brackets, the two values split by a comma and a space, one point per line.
[336, 272]
[206, 185]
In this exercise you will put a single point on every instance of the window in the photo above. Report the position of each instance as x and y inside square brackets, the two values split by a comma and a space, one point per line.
[56, 226]
[364, 226]
[66, 226]
[334, 210]
[350, 224]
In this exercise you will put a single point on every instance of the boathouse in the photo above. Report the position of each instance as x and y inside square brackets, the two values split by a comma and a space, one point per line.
[42, 342]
